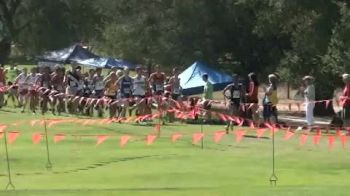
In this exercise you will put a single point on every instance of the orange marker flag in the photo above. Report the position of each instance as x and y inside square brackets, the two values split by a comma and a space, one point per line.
[330, 142]
[302, 139]
[288, 135]
[343, 140]
[150, 139]
[260, 132]
[217, 136]
[196, 137]
[100, 139]
[123, 140]
[58, 137]
[13, 136]
[316, 139]
[36, 137]
[175, 137]
[239, 135]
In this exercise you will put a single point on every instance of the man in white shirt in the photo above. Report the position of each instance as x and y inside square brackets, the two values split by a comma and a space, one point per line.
[309, 95]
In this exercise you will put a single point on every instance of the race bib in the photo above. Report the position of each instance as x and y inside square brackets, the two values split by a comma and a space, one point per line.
[159, 87]
[236, 94]
[126, 91]
[176, 91]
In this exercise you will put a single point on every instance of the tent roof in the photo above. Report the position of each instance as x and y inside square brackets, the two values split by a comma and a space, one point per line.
[73, 53]
[191, 78]
[106, 63]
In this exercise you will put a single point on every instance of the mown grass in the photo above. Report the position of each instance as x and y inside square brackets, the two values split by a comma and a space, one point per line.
[165, 168]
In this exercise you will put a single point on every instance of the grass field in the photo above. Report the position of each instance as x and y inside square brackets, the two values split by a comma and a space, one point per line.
[164, 168]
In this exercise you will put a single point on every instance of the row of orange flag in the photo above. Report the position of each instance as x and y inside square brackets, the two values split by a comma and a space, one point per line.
[196, 137]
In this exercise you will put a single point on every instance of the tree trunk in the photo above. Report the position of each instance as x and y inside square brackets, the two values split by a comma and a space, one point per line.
[5, 50]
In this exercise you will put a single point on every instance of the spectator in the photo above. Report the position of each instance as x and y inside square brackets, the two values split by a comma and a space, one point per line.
[309, 95]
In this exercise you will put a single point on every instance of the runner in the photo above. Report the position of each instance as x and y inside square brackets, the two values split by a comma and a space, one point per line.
[175, 91]
[74, 82]
[270, 101]
[33, 83]
[139, 91]
[21, 82]
[174, 82]
[236, 93]
[252, 97]
[45, 82]
[125, 89]
[110, 92]
[157, 80]
[57, 86]
[11, 74]
[207, 96]
[98, 90]
[88, 90]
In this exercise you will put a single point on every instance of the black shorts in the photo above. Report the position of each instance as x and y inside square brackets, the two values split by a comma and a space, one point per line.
[345, 113]
[98, 93]
[235, 102]
[139, 96]
[269, 110]
[110, 96]
[175, 96]
[126, 96]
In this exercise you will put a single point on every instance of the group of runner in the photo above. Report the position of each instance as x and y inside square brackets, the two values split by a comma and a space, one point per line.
[76, 92]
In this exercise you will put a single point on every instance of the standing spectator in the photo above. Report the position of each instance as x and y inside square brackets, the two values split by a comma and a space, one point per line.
[270, 100]
[309, 95]
[345, 100]
[252, 97]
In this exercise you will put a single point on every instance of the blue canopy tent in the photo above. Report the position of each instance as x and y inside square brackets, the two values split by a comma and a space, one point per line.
[191, 79]
[67, 55]
[106, 63]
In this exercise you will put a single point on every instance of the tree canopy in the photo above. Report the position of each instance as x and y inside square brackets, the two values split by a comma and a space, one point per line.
[291, 37]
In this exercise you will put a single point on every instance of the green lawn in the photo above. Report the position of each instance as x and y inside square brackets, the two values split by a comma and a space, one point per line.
[164, 168]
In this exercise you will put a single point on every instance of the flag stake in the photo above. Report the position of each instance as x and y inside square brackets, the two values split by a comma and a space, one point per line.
[273, 177]
[202, 141]
[9, 184]
[48, 164]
